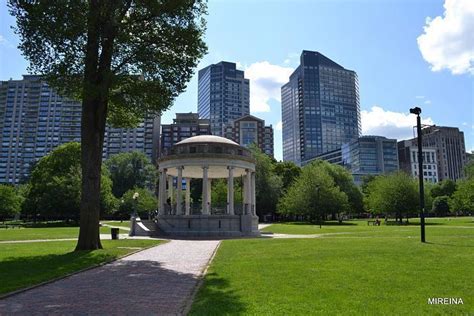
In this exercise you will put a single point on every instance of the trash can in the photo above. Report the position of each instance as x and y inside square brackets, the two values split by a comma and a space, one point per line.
[115, 233]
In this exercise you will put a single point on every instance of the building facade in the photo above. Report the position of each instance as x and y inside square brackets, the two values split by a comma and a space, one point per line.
[223, 95]
[185, 125]
[34, 120]
[408, 160]
[370, 155]
[251, 130]
[450, 150]
[320, 108]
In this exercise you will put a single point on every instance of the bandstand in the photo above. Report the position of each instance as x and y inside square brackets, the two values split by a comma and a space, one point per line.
[206, 157]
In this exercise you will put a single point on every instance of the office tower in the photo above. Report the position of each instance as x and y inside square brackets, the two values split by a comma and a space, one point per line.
[370, 155]
[34, 120]
[184, 125]
[408, 160]
[223, 95]
[320, 108]
[450, 150]
[250, 129]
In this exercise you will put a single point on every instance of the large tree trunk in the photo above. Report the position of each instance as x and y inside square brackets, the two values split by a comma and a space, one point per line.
[96, 84]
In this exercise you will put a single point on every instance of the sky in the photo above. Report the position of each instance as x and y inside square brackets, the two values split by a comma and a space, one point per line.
[405, 52]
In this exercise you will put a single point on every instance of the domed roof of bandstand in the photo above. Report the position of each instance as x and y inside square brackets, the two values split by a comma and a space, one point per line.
[207, 139]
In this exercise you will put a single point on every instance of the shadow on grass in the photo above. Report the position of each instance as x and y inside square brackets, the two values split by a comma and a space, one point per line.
[217, 298]
[449, 245]
[329, 223]
[20, 272]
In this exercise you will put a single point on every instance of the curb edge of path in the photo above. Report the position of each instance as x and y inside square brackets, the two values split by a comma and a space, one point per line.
[9, 294]
[189, 302]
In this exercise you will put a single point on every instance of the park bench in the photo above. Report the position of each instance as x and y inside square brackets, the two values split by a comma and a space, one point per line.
[374, 222]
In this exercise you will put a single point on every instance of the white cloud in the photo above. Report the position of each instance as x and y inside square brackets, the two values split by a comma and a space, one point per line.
[448, 40]
[420, 97]
[279, 125]
[390, 124]
[265, 82]
[427, 102]
[464, 123]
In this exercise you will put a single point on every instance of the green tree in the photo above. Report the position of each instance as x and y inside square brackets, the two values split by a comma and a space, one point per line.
[441, 205]
[395, 193]
[268, 185]
[10, 201]
[122, 58]
[55, 185]
[143, 205]
[469, 170]
[463, 199]
[288, 171]
[129, 170]
[443, 188]
[344, 181]
[314, 195]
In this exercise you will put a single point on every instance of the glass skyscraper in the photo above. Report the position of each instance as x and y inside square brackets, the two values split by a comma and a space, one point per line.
[223, 95]
[320, 108]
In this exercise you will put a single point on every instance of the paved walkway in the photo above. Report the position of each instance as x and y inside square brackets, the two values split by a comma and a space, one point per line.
[102, 237]
[156, 281]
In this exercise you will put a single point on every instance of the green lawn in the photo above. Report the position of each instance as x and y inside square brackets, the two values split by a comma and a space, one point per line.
[45, 233]
[125, 224]
[381, 270]
[357, 226]
[26, 264]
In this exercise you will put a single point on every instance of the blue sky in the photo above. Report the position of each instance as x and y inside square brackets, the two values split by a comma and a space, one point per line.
[406, 53]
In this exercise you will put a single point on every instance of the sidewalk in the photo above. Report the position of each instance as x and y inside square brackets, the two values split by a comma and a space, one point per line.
[156, 281]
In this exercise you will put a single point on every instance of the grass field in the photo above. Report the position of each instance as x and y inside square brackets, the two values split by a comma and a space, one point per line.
[45, 233]
[371, 270]
[26, 264]
[125, 224]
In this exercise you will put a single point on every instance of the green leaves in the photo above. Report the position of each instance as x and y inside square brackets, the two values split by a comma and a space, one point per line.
[129, 170]
[144, 203]
[55, 185]
[156, 46]
[10, 201]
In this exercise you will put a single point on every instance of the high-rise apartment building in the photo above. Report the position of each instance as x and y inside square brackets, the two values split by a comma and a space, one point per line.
[34, 120]
[320, 108]
[223, 95]
[184, 125]
[251, 130]
[408, 159]
[450, 150]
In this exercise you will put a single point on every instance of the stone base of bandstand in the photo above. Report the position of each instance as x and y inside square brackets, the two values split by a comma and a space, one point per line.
[198, 226]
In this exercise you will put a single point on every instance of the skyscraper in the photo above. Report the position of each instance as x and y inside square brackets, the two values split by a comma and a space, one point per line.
[34, 120]
[320, 108]
[223, 95]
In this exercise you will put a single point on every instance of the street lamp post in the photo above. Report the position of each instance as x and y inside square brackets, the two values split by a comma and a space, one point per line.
[134, 214]
[417, 112]
[317, 193]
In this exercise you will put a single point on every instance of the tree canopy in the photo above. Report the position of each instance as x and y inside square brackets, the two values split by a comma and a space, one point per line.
[129, 170]
[122, 58]
[55, 185]
[314, 194]
[10, 201]
[145, 202]
[395, 193]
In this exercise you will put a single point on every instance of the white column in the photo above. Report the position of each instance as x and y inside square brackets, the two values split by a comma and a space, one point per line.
[162, 192]
[209, 199]
[230, 191]
[179, 186]
[170, 193]
[254, 201]
[187, 198]
[249, 191]
[205, 183]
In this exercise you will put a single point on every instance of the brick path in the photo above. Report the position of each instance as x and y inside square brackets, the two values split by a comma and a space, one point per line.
[156, 281]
